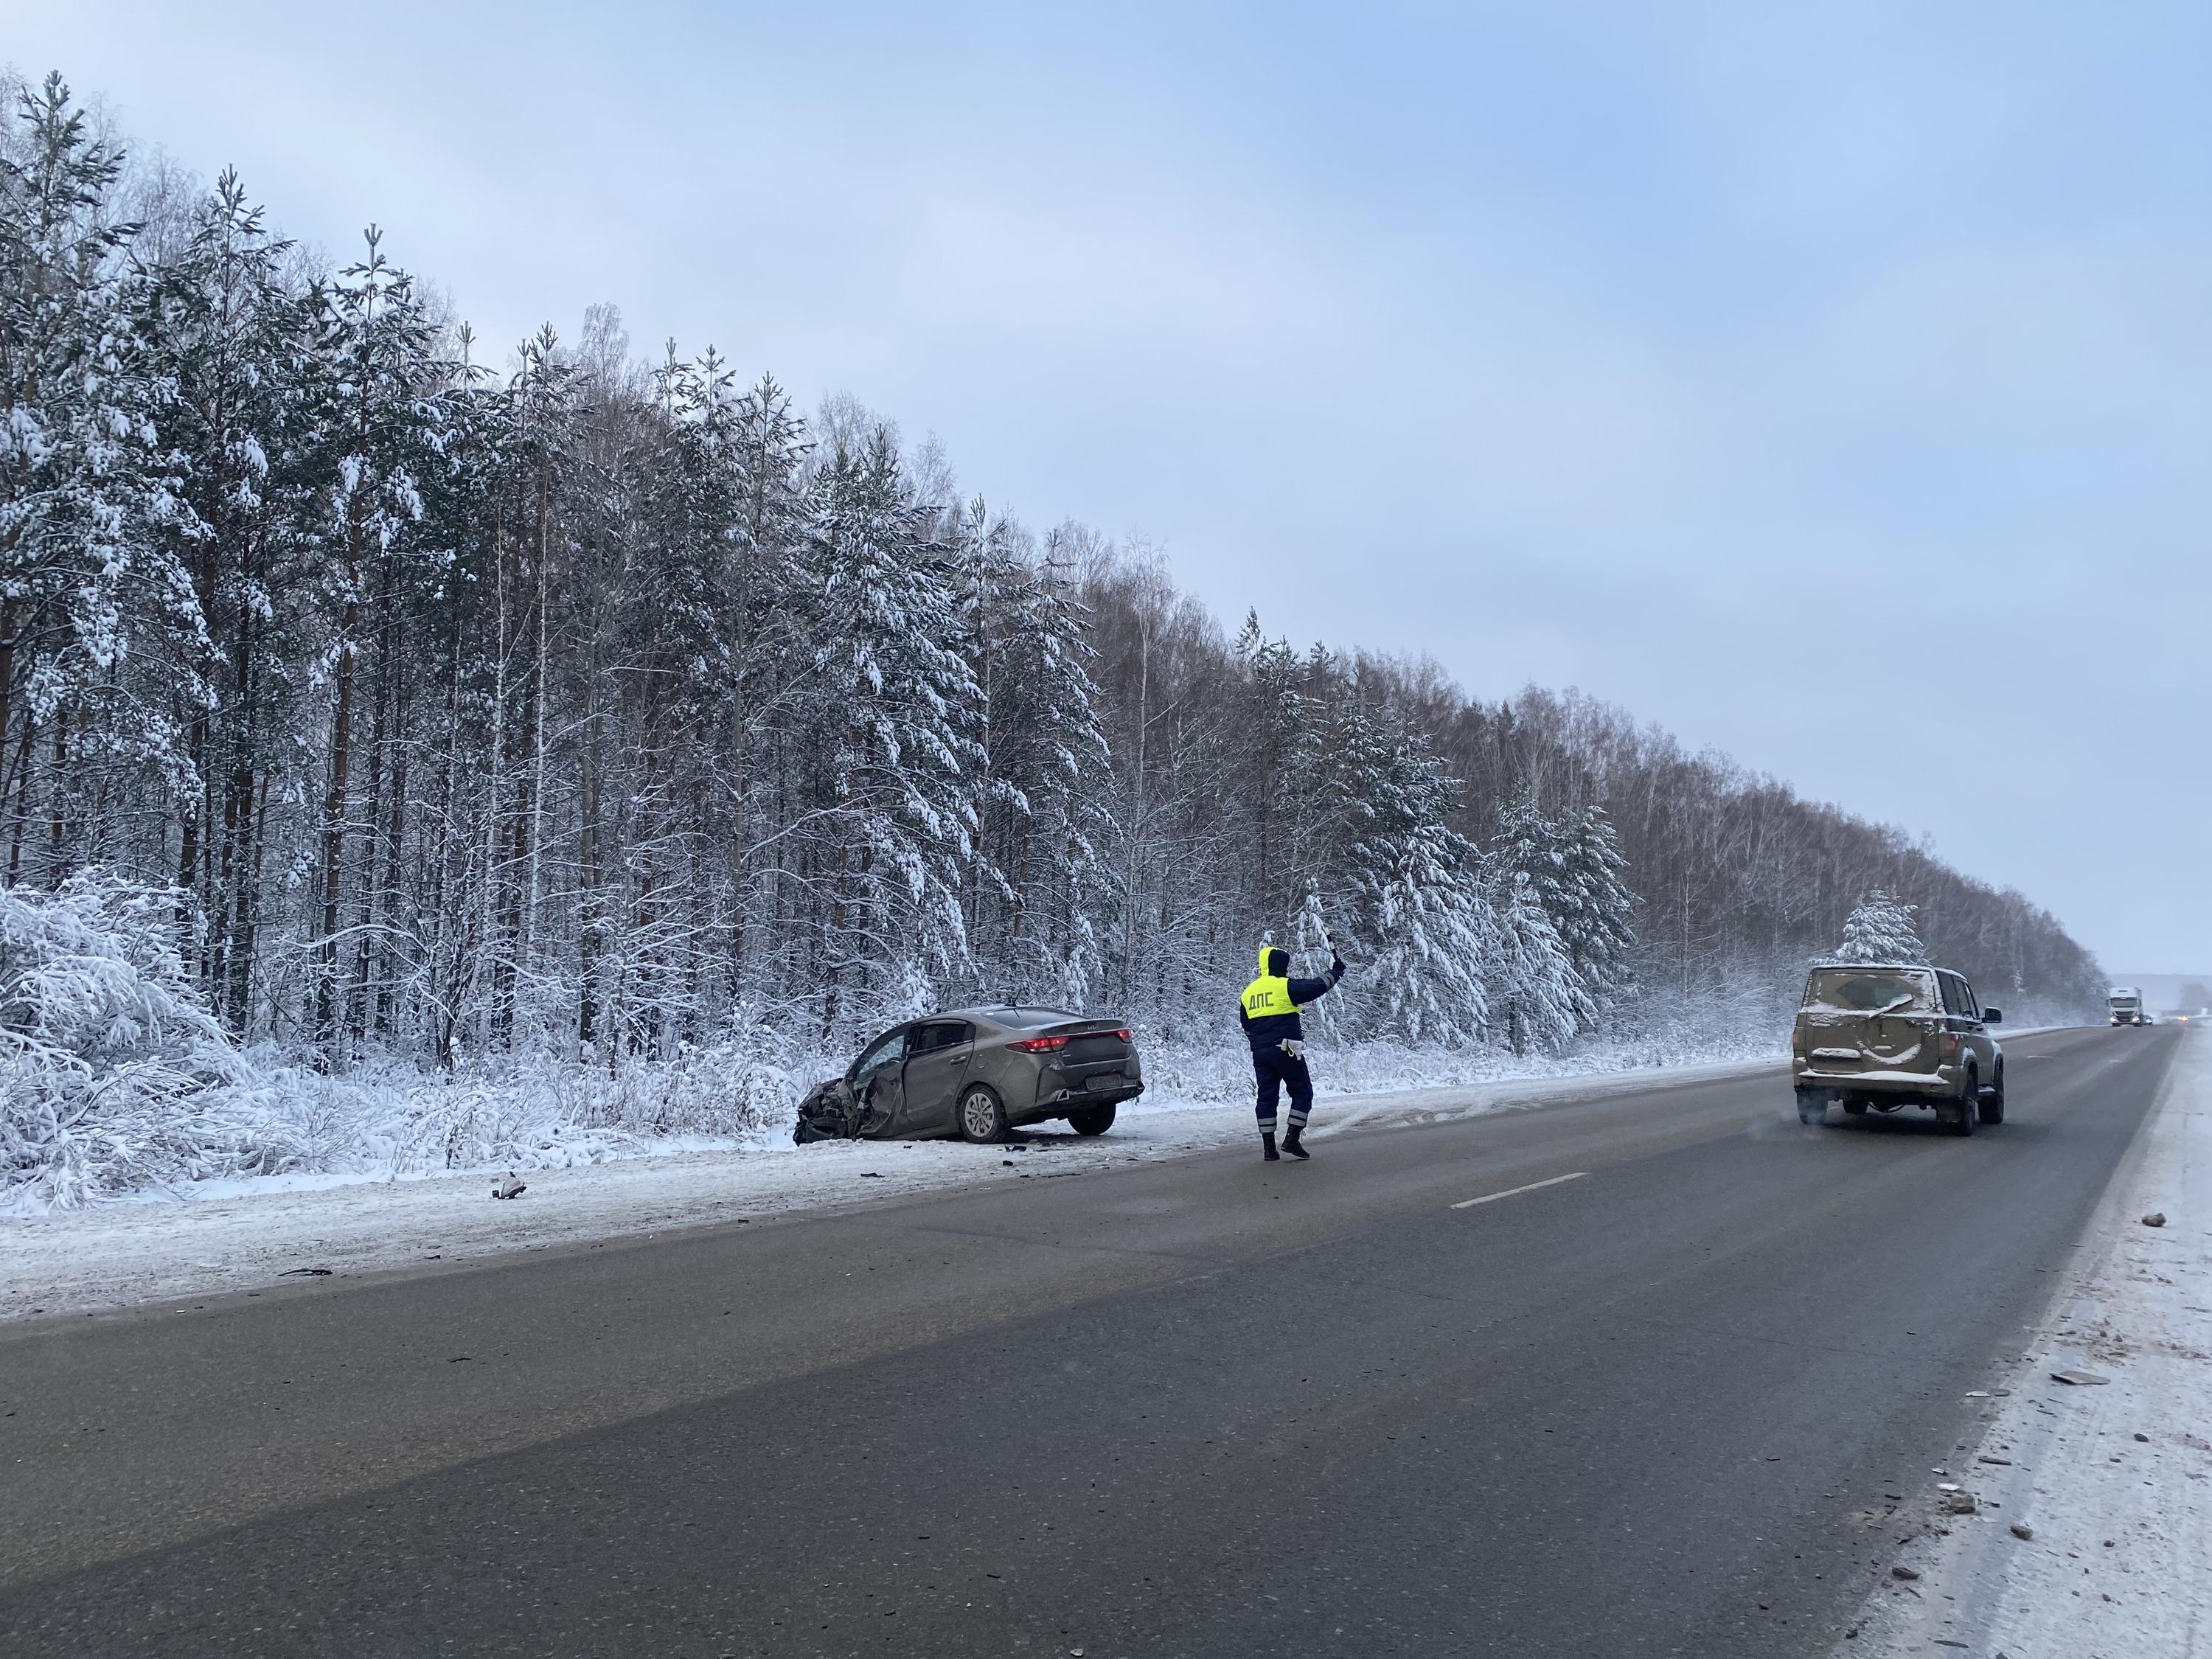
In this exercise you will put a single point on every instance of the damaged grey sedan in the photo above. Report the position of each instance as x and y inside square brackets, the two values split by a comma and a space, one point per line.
[976, 1073]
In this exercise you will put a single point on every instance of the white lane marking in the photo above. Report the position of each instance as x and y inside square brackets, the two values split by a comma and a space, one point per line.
[1492, 1198]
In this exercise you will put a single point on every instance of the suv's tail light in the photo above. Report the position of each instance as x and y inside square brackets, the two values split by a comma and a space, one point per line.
[1038, 1045]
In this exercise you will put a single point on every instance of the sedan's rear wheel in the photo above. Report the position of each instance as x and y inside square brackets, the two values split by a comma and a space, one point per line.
[982, 1116]
[1091, 1120]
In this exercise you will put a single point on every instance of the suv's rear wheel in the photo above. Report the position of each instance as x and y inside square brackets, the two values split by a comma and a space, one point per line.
[1967, 1107]
[1990, 1108]
[1091, 1120]
[1812, 1105]
[1855, 1106]
[983, 1118]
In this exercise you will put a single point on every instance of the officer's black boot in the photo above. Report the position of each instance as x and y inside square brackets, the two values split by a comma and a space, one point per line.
[1267, 1146]
[1290, 1145]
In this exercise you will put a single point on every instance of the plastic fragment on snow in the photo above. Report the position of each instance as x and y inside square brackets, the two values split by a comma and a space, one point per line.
[512, 1187]
[305, 1273]
[2155, 1218]
[2079, 1379]
[1906, 1573]
[2022, 1530]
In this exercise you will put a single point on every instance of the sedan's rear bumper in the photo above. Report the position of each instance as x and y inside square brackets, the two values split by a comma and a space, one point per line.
[1068, 1100]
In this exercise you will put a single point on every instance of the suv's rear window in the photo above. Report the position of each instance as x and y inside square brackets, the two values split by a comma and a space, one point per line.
[1869, 991]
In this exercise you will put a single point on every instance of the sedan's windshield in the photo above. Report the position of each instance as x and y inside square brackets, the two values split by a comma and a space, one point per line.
[1868, 991]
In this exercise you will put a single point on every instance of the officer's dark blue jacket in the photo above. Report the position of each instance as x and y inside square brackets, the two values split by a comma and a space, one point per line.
[1269, 1009]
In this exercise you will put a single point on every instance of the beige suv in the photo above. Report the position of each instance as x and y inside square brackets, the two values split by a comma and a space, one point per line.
[1885, 1035]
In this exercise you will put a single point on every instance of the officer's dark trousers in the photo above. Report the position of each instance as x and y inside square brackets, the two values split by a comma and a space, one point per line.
[1274, 1068]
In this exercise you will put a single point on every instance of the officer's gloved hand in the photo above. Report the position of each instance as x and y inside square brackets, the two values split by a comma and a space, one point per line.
[1293, 1048]
[1336, 964]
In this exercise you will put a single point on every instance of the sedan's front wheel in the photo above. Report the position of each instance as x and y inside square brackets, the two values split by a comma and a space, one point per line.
[983, 1117]
[1091, 1120]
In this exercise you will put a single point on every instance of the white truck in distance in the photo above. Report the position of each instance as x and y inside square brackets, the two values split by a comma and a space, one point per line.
[2127, 1006]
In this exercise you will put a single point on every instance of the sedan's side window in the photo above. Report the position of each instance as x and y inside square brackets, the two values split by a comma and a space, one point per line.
[941, 1034]
[885, 1051]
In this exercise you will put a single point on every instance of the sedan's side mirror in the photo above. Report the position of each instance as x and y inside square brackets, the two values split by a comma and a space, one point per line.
[1992, 1016]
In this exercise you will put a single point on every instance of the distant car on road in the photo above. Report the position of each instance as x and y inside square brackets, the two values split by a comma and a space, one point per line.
[1881, 1036]
[977, 1072]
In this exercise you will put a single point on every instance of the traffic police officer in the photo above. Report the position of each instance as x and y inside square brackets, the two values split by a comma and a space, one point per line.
[1269, 1014]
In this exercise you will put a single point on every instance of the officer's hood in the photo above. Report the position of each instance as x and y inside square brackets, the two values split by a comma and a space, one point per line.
[1274, 962]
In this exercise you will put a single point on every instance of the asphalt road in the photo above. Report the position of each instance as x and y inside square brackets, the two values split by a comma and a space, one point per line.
[1212, 1407]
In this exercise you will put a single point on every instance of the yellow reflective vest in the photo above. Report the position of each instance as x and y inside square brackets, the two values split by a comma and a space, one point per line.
[1270, 993]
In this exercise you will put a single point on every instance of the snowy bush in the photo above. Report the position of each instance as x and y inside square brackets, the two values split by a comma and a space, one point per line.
[113, 1075]
[116, 1079]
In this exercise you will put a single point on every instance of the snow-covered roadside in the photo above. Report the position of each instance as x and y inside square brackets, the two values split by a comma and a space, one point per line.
[2111, 1481]
[242, 1234]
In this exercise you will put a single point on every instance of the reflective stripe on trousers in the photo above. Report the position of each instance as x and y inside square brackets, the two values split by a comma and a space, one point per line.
[1273, 1068]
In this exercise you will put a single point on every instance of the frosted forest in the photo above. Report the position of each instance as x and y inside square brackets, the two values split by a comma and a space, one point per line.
[418, 752]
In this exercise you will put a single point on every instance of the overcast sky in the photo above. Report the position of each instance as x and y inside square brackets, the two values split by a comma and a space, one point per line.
[1831, 385]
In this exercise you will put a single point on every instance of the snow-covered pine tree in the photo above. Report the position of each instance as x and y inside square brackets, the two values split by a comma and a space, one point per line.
[770, 658]
[1591, 905]
[1879, 929]
[1307, 940]
[987, 572]
[1536, 999]
[1421, 924]
[1532, 850]
[896, 708]
[1272, 793]
[380, 427]
[1067, 773]
[1037, 896]
[221, 325]
[99, 637]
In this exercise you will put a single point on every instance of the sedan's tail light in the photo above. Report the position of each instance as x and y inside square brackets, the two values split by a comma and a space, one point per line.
[1038, 1045]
